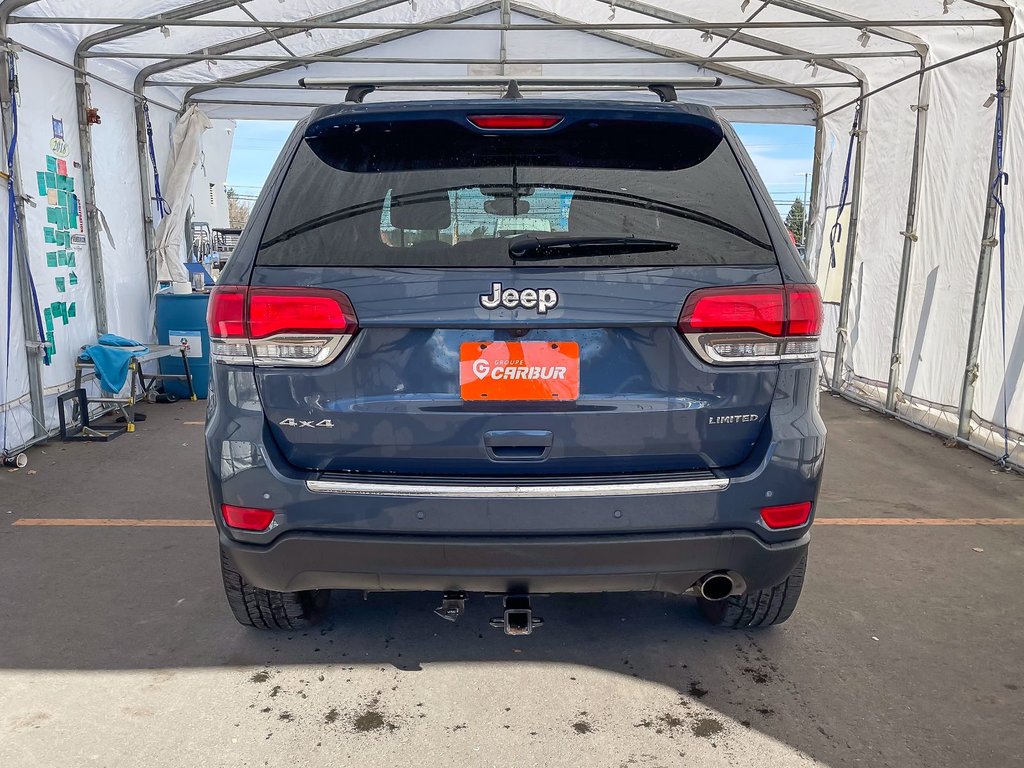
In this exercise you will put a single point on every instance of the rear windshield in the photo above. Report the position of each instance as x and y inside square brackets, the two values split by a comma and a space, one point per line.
[390, 201]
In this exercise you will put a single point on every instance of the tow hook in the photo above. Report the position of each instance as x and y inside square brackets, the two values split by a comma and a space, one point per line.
[453, 605]
[518, 618]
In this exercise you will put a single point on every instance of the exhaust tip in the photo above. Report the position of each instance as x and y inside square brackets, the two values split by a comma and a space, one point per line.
[716, 586]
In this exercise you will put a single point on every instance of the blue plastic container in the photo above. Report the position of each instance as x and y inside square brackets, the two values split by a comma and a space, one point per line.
[183, 318]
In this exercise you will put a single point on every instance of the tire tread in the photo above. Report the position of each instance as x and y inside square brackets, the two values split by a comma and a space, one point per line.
[266, 609]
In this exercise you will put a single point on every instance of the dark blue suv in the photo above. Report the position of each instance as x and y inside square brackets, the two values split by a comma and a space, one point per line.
[516, 347]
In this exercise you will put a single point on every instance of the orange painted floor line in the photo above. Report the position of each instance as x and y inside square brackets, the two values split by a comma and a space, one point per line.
[128, 522]
[919, 521]
[56, 522]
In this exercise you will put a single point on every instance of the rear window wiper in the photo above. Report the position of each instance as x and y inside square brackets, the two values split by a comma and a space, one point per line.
[567, 247]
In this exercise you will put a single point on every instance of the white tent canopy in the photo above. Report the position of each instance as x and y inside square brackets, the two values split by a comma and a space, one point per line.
[921, 322]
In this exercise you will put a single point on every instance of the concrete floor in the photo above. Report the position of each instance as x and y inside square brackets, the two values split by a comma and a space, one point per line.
[117, 648]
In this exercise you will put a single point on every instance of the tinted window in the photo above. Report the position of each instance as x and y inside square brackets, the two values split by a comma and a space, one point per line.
[388, 200]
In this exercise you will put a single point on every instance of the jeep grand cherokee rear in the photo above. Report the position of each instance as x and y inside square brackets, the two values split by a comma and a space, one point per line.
[514, 347]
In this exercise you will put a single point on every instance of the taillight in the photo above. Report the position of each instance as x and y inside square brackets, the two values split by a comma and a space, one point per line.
[226, 313]
[279, 326]
[786, 515]
[515, 122]
[247, 518]
[753, 324]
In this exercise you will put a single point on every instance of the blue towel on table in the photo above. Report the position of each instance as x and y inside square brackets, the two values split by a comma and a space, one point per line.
[110, 357]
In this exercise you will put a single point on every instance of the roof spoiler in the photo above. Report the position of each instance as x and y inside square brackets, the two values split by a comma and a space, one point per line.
[357, 90]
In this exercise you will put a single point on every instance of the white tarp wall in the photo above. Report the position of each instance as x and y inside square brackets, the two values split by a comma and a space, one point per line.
[952, 191]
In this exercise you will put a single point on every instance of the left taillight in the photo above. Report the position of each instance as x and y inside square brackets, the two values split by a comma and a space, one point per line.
[279, 326]
[753, 324]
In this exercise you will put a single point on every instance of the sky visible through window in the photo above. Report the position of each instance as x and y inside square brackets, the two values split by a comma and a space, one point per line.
[783, 155]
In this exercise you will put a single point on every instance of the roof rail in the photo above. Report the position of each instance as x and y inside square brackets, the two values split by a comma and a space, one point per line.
[357, 90]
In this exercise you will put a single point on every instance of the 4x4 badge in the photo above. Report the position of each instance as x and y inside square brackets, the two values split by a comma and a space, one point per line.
[541, 299]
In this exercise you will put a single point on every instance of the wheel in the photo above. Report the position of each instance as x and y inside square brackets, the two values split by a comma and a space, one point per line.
[761, 608]
[266, 609]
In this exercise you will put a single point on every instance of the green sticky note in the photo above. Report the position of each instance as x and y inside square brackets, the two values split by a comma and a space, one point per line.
[60, 283]
[51, 259]
[62, 199]
[73, 280]
[53, 216]
[62, 182]
[64, 238]
[70, 184]
[51, 180]
[49, 235]
[74, 221]
[48, 317]
[51, 163]
[71, 310]
[51, 343]
[71, 258]
[41, 181]
[62, 259]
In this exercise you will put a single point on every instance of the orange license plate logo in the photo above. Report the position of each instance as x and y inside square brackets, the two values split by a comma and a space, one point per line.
[519, 370]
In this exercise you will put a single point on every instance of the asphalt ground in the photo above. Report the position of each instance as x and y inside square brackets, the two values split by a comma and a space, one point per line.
[117, 647]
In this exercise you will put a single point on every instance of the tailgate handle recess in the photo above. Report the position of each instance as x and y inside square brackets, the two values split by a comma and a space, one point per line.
[518, 444]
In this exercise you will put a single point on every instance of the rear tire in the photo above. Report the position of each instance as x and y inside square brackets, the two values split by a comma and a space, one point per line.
[267, 609]
[760, 608]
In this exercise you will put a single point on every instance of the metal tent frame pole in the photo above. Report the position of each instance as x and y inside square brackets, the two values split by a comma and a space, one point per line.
[851, 245]
[33, 350]
[82, 98]
[989, 238]
[909, 239]
[700, 26]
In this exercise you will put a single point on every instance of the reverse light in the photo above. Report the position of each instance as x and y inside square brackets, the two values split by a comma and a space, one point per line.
[247, 518]
[279, 326]
[753, 324]
[786, 515]
[515, 122]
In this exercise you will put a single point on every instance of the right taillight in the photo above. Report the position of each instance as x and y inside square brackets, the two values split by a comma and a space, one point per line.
[753, 324]
[279, 326]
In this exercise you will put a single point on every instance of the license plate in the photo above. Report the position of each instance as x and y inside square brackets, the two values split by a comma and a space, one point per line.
[519, 370]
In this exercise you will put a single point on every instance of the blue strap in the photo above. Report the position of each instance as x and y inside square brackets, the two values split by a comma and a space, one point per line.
[1002, 179]
[836, 233]
[161, 204]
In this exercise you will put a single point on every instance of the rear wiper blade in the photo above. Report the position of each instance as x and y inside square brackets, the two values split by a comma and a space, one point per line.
[567, 247]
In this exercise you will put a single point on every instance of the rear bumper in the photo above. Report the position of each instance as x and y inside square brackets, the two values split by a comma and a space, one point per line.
[539, 564]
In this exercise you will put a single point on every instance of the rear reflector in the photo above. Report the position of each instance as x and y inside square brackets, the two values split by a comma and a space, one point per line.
[751, 324]
[247, 518]
[279, 326]
[786, 515]
[515, 122]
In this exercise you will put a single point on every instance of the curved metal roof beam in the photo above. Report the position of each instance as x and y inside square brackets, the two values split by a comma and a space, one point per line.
[888, 33]
[811, 95]
[740, 37]
[354, 47]
[242, 43]
[665, 51]
[128, 30]
[7, 7]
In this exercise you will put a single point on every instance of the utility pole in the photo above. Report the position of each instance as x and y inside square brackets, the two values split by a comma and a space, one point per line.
[806, 202]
